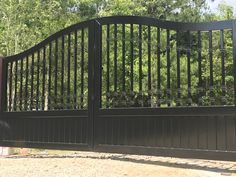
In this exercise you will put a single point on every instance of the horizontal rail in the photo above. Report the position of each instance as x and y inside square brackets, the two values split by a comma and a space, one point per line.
[170, 111]
[46, 114]
[203, 26]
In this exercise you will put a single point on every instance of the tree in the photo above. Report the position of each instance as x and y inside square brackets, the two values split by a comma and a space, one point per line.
[26, 23]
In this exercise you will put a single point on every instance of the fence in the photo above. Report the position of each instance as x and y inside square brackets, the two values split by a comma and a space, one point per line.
[125, 84]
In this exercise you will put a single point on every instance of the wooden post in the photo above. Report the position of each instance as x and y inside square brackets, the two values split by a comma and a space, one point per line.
[2, 84]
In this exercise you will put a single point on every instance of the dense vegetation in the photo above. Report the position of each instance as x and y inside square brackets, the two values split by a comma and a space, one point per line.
[24, 23]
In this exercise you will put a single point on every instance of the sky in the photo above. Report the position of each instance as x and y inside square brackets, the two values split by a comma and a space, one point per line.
[214, 5]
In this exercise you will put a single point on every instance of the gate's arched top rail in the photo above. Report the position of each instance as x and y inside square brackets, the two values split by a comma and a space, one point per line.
[181, 26]
[171, 25]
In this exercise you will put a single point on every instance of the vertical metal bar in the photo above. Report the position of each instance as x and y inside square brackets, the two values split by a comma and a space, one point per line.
[200, 86]
[56, 71]
[49, 76]
[32, 84]
[178, 69]
[10, 89]
[26, 84]
[75, 70]
[82, 70]
[5, 81]
[15, 92]
[168, 66]
[222, 51]
[123, 58]
[211, 69]
[108, 67]
[140, 58]
[189, 68]
[37, 91]
[115, 57]
[158, 67]
[149, 65]
[3, 75]
[1, 84]
[43, 80]
[21, 80]
[62, 70]
[100, 42]
[68, 73]
[131, 57]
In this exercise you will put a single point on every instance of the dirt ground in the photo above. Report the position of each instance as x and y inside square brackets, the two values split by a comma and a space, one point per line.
[89, 164]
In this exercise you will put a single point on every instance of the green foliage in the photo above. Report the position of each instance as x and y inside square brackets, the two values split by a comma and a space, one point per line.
[24, 23]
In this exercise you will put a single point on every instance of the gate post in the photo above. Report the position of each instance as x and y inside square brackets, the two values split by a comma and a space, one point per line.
[97, 76]
[94, 77]
[2, 85]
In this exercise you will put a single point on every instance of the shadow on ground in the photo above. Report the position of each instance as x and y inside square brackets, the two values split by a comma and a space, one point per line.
[197, 164]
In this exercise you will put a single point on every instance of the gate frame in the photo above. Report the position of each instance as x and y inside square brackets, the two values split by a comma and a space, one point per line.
[94, 95]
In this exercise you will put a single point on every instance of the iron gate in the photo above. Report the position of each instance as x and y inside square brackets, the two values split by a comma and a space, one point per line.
[125, 84]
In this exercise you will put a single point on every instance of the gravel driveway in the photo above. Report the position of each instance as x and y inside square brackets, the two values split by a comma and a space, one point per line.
[89, 164]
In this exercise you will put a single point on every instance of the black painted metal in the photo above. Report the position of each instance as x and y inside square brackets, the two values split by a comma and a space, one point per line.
[140, 59]
[149, 65]
[62, 70]
[211, 69]
[2, 76]
[200, 85]
[108, 67]
[15, 83]
[178, 101]
[43, 79]
[68, 72]
[37, 83]
[168, 67]
[26, 85]
[49, 76]
[132, 57]
[82, 70]
[188, 50]
[130, 93]
[56, 72]
[75, 70]
[159, 68]
[21, 80]
[10, 87]
[123, 59]
[222, 51]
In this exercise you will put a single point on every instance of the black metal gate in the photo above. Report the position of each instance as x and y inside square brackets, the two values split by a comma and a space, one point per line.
[125, 84]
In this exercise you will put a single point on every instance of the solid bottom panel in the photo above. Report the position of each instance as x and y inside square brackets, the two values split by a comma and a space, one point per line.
[212, 133]
[64, 130]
